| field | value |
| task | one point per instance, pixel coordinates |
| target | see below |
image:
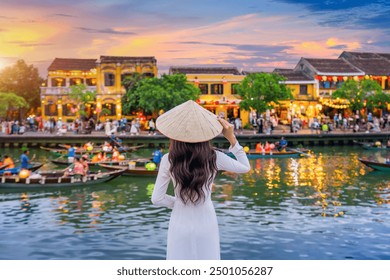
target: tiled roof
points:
(385, 55)
(360, 55)
(127, 59)
(204, 70)
(377, 64)
(253, 72)
(332, 65)
(292, 75)
(72, 64)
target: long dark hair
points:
(193, 165)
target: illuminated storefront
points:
(103, 76)
(217, 89)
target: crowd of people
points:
(261, 124)
(324, 124)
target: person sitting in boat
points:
(84, 162)
(387, 160)
(107, 147)
(101, 156)
(157, 155)
(8, 162)
(282, 144)
(76, 169)
(259, 147)
(115, 141)
(115, 154)
(95, 158)
(267, 147)
(24, 160)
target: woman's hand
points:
(228, 131)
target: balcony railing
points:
(61, 90)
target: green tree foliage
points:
(350, 91)
(130, 100)
(155, 94)
(260, 91)
(23, 80)
(130, 82)
(366, 93)
(81, 96)
(11, 101)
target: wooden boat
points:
(57, 179)
(3, 167)
(11, 171)
(375, 165)
(253, 154)
(54, 150)
(135, 171)
(64, 162)
(122, 148)
(95, 150)
(368, 146)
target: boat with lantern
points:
(121, 161)
(133, 168)
(253, 154)
(94, 150)
(374, 146)
(56, 179)
(11, 171)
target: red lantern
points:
(340, 78)
(216, 102)
(330, 79)
(198, 101)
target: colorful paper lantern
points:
(24, 173)
(150, 166)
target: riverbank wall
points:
(247, 138)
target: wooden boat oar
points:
(298, 151)
(117, 143)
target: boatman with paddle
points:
(24, 160)
(282, 144)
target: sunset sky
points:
(251, 35)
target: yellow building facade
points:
(103, 76)
(305, 96)
(111, 71)
(217, 89)
(62, 74)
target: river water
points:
(324, 207)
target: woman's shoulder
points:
(165, 159)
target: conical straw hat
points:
(189, 122)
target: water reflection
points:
(329, 201)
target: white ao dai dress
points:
(193, 229)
